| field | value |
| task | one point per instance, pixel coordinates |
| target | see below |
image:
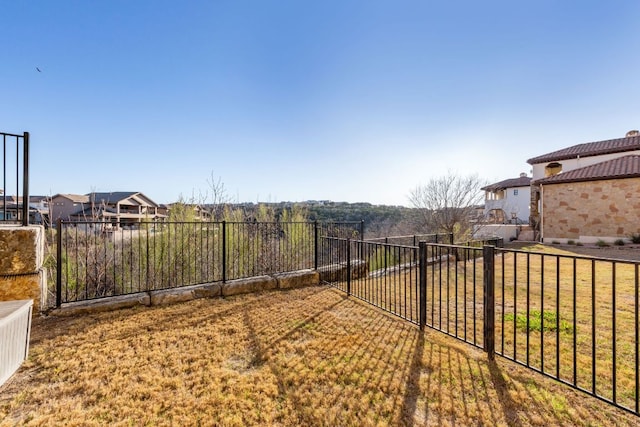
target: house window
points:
(552, 169)
(515, 192)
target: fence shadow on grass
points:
(330, 359)
(344, 363)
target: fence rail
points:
(14, 193)
(571, 318)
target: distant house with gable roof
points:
(587, 192)
(117, 208)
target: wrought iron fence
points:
(14, 193)
(97, 259)
(384, 275)
(571, 318)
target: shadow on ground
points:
(309, 356)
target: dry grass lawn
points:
(310, 356)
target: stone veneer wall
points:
(592, 210)
(21, 257)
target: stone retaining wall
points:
(291, 280)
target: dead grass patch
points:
(303, 357)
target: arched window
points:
(553, 168)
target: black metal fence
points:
(571, 318)
(97, 259)
(14, 193)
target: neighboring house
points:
(63, 206)
(118, 208)
(38, 209)
(508, 201)
(588, 192)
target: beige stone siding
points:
(584, 211)
(21, 256)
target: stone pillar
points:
(534, 212)
(21, 256)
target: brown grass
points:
(304, 357)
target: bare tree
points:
(219, 197)
(447, 203)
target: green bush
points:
(635, 238)
(570, 242)
(602, 244)
(619, 242)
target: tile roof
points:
(523, 181)
(630, 143)
(621, 167)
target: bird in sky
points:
(38, 69)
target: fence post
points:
(422, 298)
(386, 253)
(488, 253)
(59, 263)
(25, 180)
(451, 238)
(349, 267)
(224, 251)
(315, 245)
(360, 247)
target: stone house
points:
(587, 192)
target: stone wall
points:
(592, 210)
(21, 256)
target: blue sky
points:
(297, 100)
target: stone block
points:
(338, 272)
(249, 285)
(210, 290)
(24, 286)
(21, 249)
(297, 279)
(106, 304)
(187, 293)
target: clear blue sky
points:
(296, 100)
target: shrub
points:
(602, 244)
(635, 238)
(555, 242)
(570, 242)
(619, 242)
(578, 243)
